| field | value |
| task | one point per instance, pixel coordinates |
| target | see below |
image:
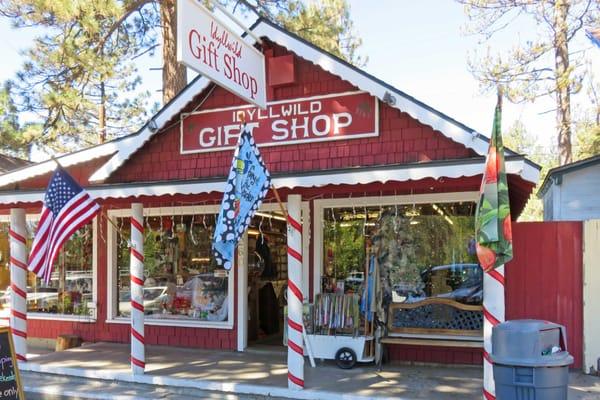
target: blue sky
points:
(416, 46)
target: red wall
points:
(543, 281)
(402, 139)
(159, 335)
(545, 278)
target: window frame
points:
(370, 201)
(94, 306)
(111, 270)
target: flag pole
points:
(242, 118)
(276, 193)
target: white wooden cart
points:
(345, 350)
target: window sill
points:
(61, 317)
(175, 323)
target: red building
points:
(360, 153)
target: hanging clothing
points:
(268, 309)
(262, 248)
(368, 302)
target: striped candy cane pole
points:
(138, 359)
(294, 295)
(493, 314)
(18, 282)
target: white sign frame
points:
(189, 12)
(375, 133)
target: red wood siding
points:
(159, 335)
(544, 284)
(545, 278)
(544, 281)
(439, 355)
(402, 139)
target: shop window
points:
(429, 277)
(181, 278)
(70, 290)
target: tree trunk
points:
(102, 115)
(174, 74)
(563, 82)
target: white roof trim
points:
(452, 130)
(350, 177)
(123, 149)
(165, 115)
(67, 160)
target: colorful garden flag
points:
(247, 185)
(492, 220)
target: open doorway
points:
(267, 279)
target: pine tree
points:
(77, 79)
(80, 73)
(325, 23)
(543, 66)
(15, 138)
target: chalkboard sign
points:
(10, 381)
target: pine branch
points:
(128, 11)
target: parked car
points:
(354, 280)
(38, 299)
(154, 298)
(464, 281)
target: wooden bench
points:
(476, 344)
(445, 321)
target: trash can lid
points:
(530, 343)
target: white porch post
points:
(18, 282)
(138, 359)
(493, 314)
(242, 289)
(294, 294)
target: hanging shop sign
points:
(313, 119)
(209, 47)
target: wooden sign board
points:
(339, 116)
(208, 46)
(11, 387)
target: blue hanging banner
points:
(247, 185)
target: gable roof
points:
(9, 163)
(449, 127)
(555, 174)
(123, 148)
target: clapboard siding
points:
(576, 198)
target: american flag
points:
(67, 207)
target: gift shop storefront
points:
(382, 178)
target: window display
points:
(71, 285)
(424, 255)
(181, 279)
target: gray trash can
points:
(531, 361)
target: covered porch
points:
(264, 373)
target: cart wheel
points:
(345, 358)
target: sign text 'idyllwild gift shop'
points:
(320, 118)
(209, 47)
